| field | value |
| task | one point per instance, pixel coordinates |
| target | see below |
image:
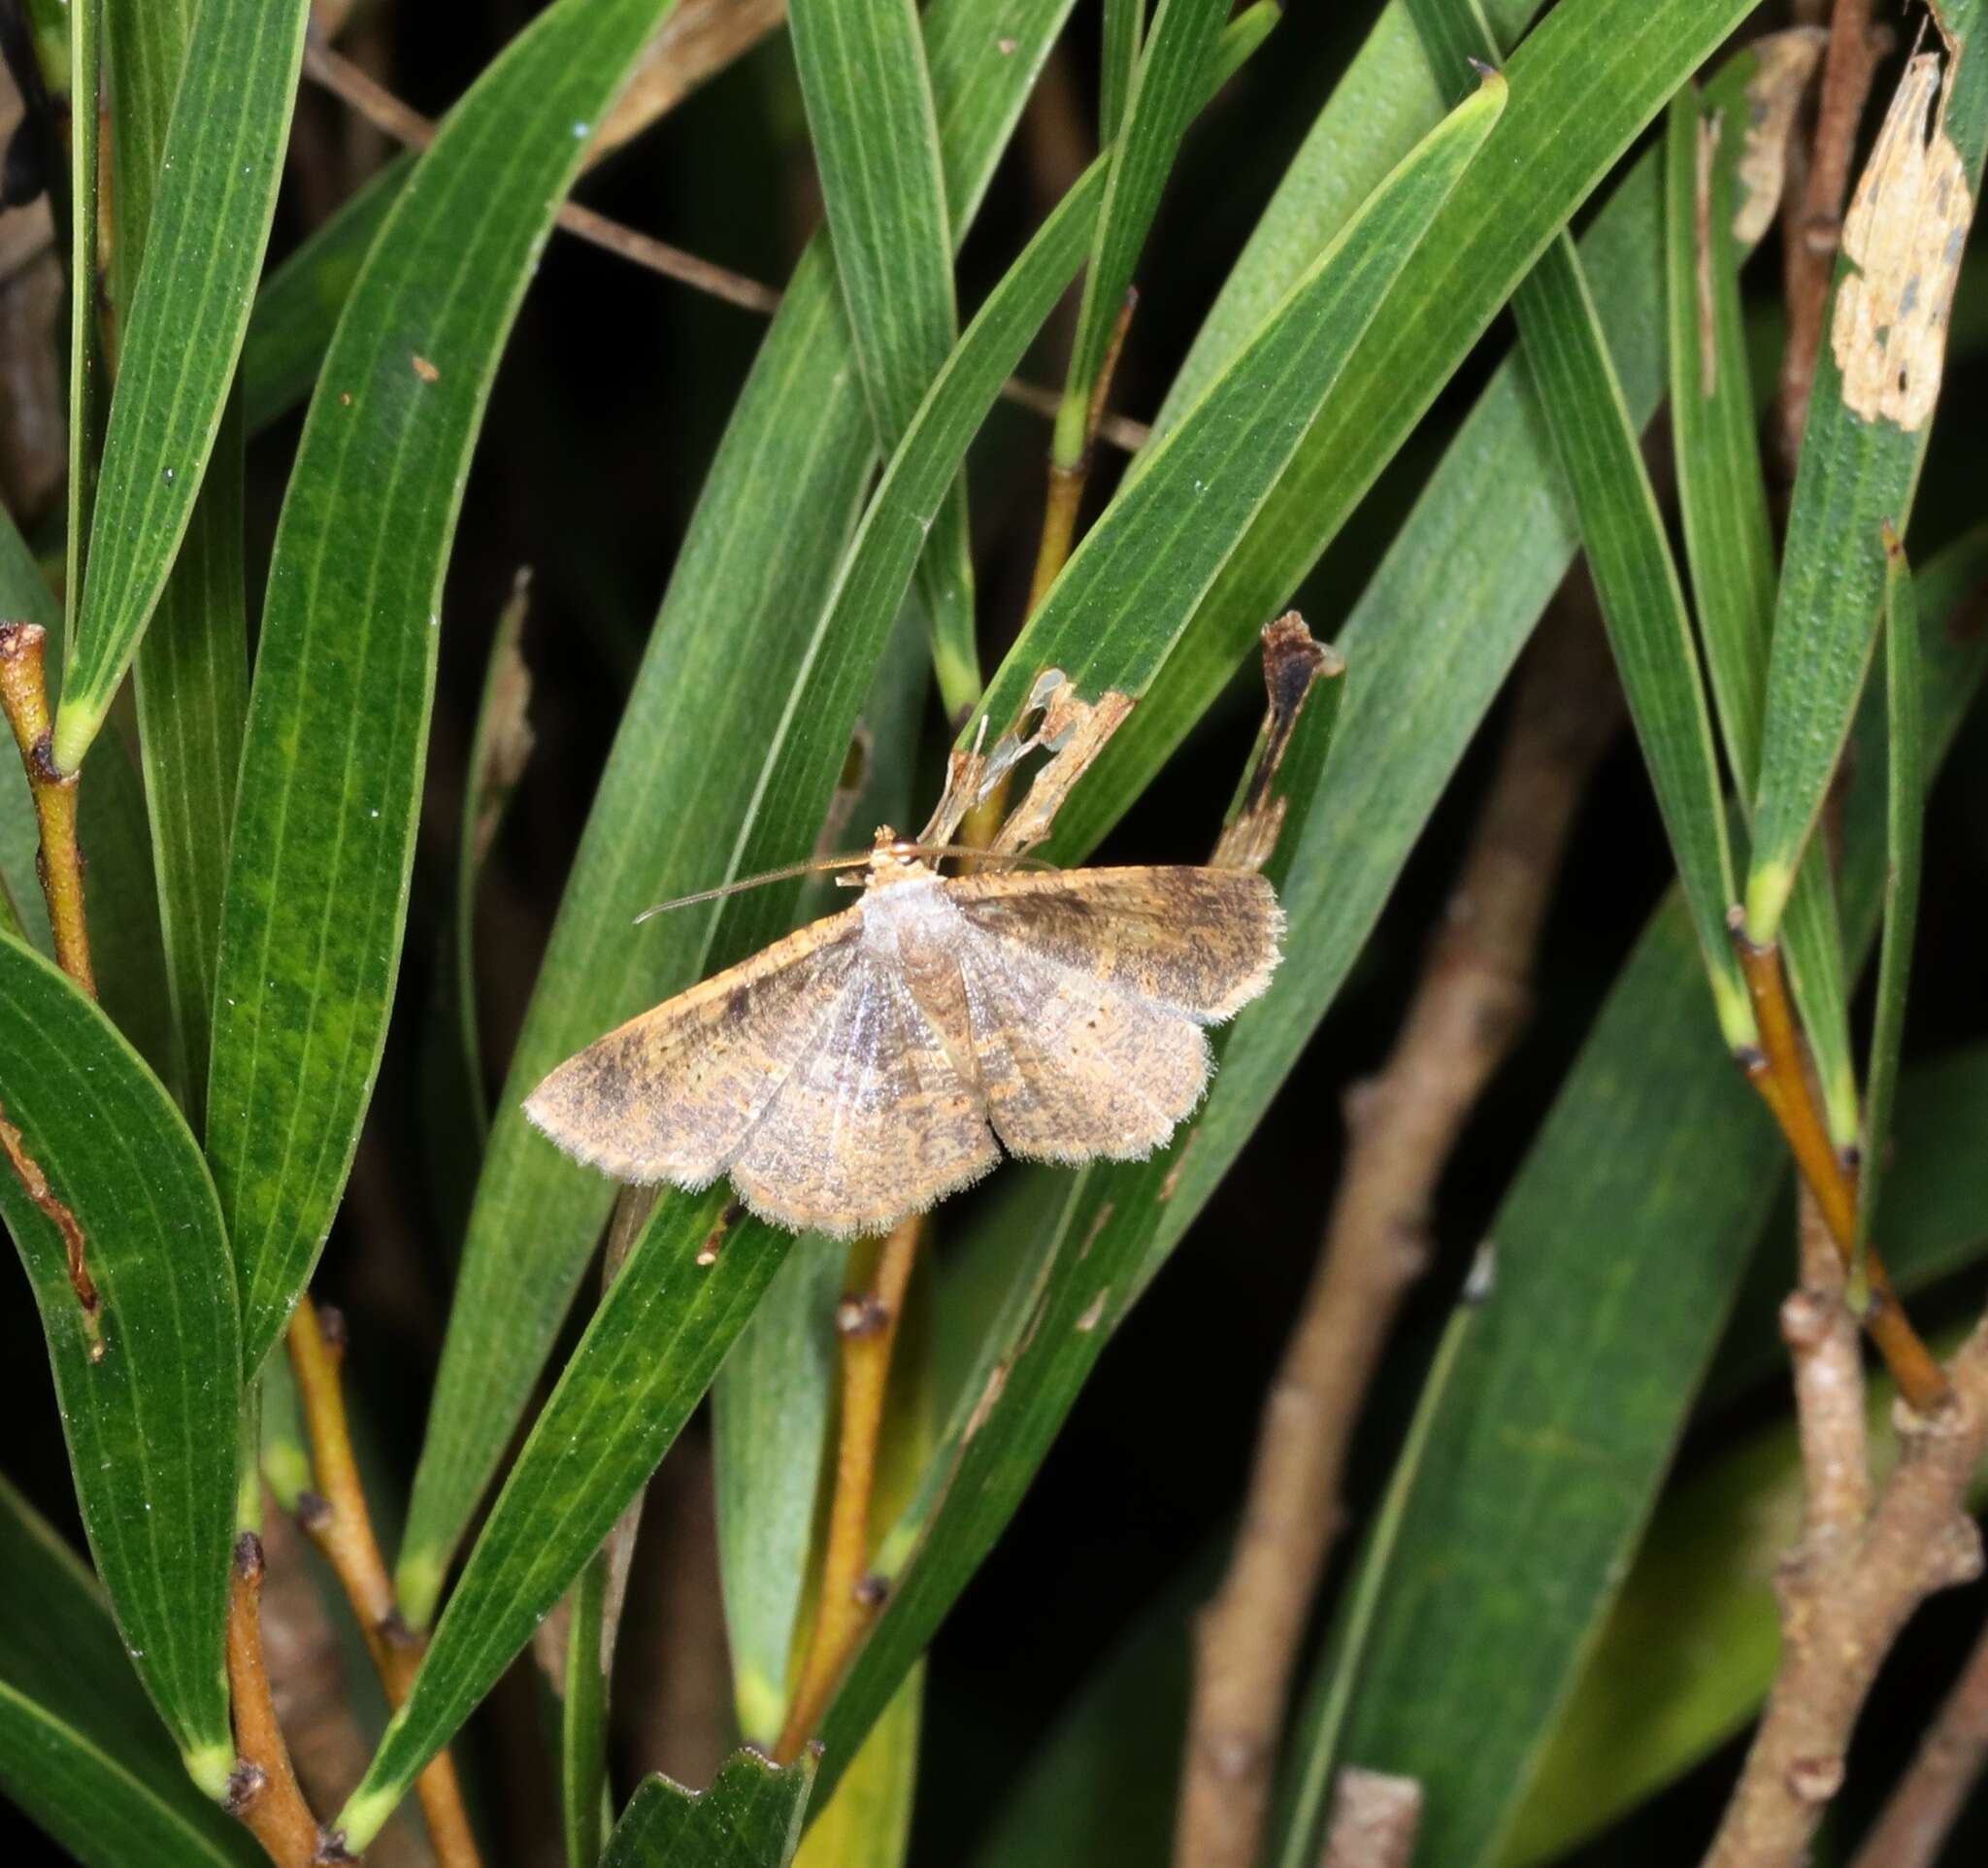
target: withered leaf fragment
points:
(1903, 235)
(861, 1069)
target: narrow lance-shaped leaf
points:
(1133, 584)
(191, 670)
(323, 838)
(1622, 532)
(85, 337)
(1905, 844)
(117, 1226)
(60, 1648)
(1163, 96)
(1722, 494)
(1870, 412)
(876, 135)
(209, 226)
(297, 309)
(1124, 24)
(24, 597)
(90, 1801)
(643, 1363)
(1386, 99)
(770, 530)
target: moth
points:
(880, 1058)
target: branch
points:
(336, 1521)
(1929, 1796)
(1778, 1070)
(1400, 1128)
(24, 694)
(1846, 1591)
(866, 1324)
(1813, 222)
(364, 93)
(263, 1790)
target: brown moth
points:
(862, 1068)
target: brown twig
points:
(1067, 479)
(263, 1790)
(1401, 1126)
(1779, 1072)
(1922, 1808)
(1846, 1591)
(24, 694)
(361, 92)
(310, 1692)
(866, 1322)
(1374, 1820)
(336, 1519)
(1813, 218)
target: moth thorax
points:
(907, 916)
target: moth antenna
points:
(812, 867)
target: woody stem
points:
(24, 694)
(337, 1520)
(1775, 1071)
(866, 1325)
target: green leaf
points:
(297, 309)
(1858, 474)
(323, 839)
(191, 671)
(1123, 26)
(1582, 87)
(1905, 823)
(85, 336)
(1542, 1469)
(649, 1352)
(1385, 102)
(89, 1800)
(875, 136)
(60, 1650)
(751, 1818)
(151, 1423)
(1134, 583)
(1721, 483)
(1167, 87)
(123, 907)
(1622, 534)
(209, 225)
(770, 530)
(1722, 494)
